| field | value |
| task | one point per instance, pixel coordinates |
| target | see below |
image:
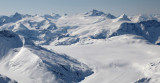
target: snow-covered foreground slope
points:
(4, 79)
(120, 59)
(26, 63)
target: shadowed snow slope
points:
(27, 63)
(4, 79)
(140, 18)
(13, 18)
(7, 42)
(123, 17)
(150, 30)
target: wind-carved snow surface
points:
(27, 63)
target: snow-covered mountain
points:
(27, 63)
(141, 17)
(101, 40)
(123, 17)
(95, 13)
(52, 16)
(150, 30)
(13, 18)
(99, 13)
(67, 30)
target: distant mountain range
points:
(76, 29)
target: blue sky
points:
(116, 7)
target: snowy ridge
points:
(66, 30)
(123, 17)
(100, 13)
(139, 18)
(147, 29)
(52, 16)
(13, 18)
(29, 64)
(34, 28)
(6, 38)
(95, 13)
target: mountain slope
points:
(147, 29)
(8, 38)
(123, 17)
(27, 63)
(36, 29)
(4, 79)
(9, 19)
(70, 29)
(141, 17)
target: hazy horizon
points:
(115, 7)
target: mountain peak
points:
(53, 16)
(110, 16)
(95, 13)
(124, 17)
(17, 14)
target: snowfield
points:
(93, 47)
(121, 59)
